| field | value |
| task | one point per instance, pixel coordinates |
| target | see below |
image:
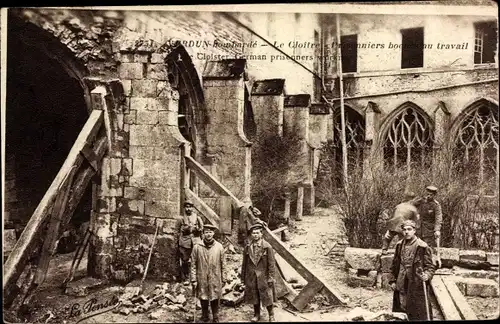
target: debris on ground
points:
(233, 291)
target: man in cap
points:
(431, 217)
(188, 230)
(404, 211)
(411, 271)
(258, 273)
(208, 273)
(249, 215)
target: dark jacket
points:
(431, 219)
(422, 263)
(257, 274)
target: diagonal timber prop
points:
(29, 241)
(315, 283)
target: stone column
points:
(318, 131)
(227, 145)
(267, 103)
(441, 128)
(296, 123)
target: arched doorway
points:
(45, 111)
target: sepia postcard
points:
(250, 163)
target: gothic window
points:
(355, 139)
(408, 140)
(476, 146)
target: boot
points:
(185, 273)
(214, 304)
(256, 312)
(270, 311)
(204, 311)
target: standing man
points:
(431, 216)
(188, 230)
(404, 211)
(258, 271)
(412, 269)
(208, 273)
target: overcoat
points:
(256, 275)
(422, 263)
(208, 270)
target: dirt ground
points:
(311, 239)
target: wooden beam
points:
(444, 299)
(305, 295)
(458, 299)
(26, 242)
(202, 207)
(299, 266)
(211, 181)
(279, 230)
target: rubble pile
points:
(359, 314)
(171, 297)
(233, 291)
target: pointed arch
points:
(474, 144)
(192, 115)
(407, 138)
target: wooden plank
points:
(288, 271)
(211, 181)
(225, 215)
(202, 207)
(279, 230)
(18, 257)
(305, 295)
(444, 299)
(300, 267)
(458, 298)
(49, 244)
(283, 289)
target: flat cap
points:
(210, 227)
(255, 226)
(409, 222)
(432, 189)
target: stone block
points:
(157, 71)
(157, 58)
(130, 71)
(480, 287)
(449, 257)
(83, 287)
(141, 58)
(364, 259)
(386, 262)
(355, 279)
(144, 88)
(163, 89)
(146, 117)
(127, 167)
(384, 280)
(130, 206)
(474, 255)
(131, 117)
(492, 258)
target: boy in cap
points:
(403, 211)
(411, 271)
(208, 272)
(188, 230)
(257, 273)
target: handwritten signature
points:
(92, 305)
